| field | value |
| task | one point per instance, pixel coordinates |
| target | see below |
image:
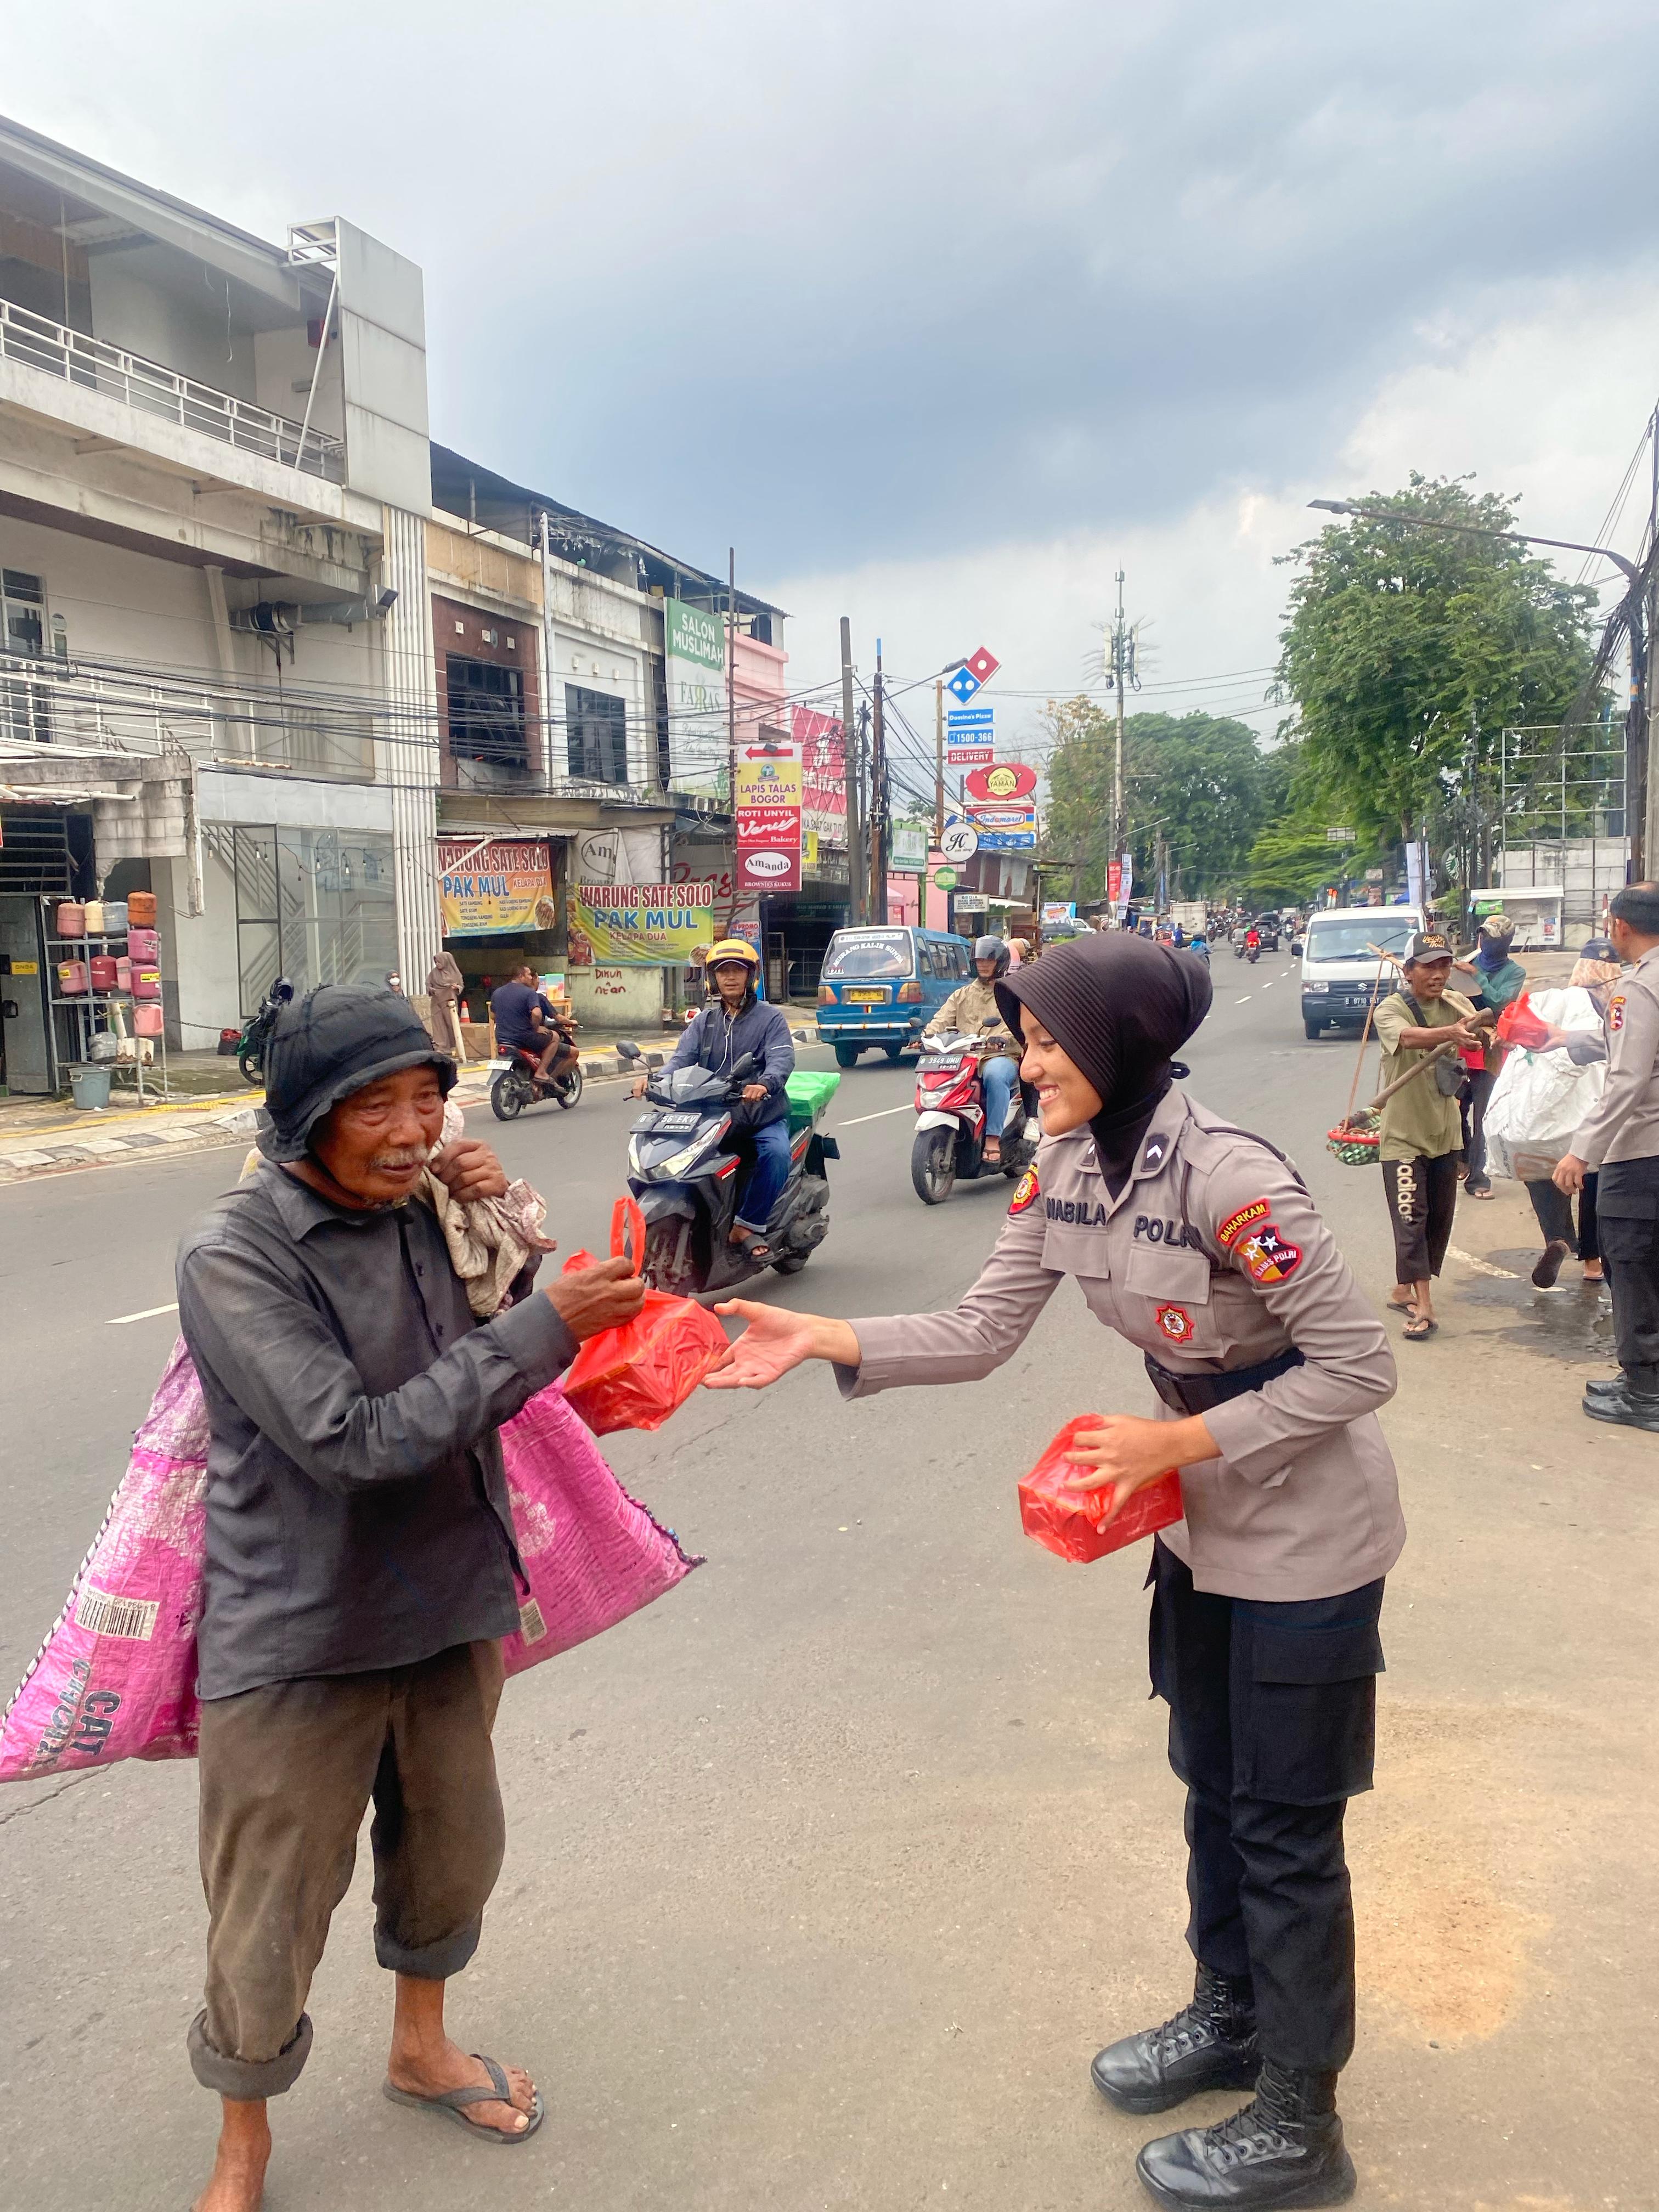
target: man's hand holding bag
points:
(643, 1352)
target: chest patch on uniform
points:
(1176, 1322)
(1027, 1191)
(1266, 1256)
(1616, 1012)
(1236, 1224)
(1153, 1230)
(1081, 1212)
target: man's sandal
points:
(451, 2104)
(1420, 1328)
(1401, 1305)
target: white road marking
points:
(118, 1321)
(1245, 1000)
(1269, 984)
(909, 1108)
(1481, 1266)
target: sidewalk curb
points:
(145, 1138)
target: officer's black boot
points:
(1285, 2149)
(1627, 1407)
(1209, 2044)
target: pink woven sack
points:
(592, 1554)
(116, 1677)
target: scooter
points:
(686, 1178)
(951, 1132)
(513, 1084)
(1253, 953)
(256, 1033)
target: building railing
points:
(74, 358)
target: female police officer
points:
(1198, 1243)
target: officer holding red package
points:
(1198, 1243)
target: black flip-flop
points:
(1401, 1305)
(1418, 1329)
(451, 2104)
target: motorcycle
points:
(514, 1087)
(256, 1031)
(1253, 953)
(685, 1178)
(951, 1132)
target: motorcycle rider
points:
(738, 1020)
(970, 1010)
(525, 1020)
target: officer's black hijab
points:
(1119, 1007)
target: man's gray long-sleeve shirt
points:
(357, 1512)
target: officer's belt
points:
(1196, 1394)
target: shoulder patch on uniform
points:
(1234, 1226)
(1616, 1011)
(1027, 1191)
(1268, 1257)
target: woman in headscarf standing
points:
(1198, 1243)
(444, 986)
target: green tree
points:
(1200, 779)
(1409, 651)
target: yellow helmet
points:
(732, 948)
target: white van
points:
(1338, 974)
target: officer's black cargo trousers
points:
(1272, 1712)
(1627, 1222)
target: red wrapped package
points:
(635, 1377)
(1067, 1521)
(1518, 1025)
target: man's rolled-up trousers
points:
(287, 1771)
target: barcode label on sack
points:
(532, 1626)
(104, 1614)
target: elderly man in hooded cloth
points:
(444, 985)
(360, 1565)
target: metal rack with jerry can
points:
(105, 996)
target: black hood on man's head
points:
(329, 1043)
(1119, 1006)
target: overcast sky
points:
(942, 313)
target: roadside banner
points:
(501, 889)
(970, 737)
(1004, 828)
(821, 745)
(768, 817)
(693, 667)
(638, 925)
(907, 847)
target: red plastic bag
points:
(635, 1375)
(1068, 1522)
(1518, 1025)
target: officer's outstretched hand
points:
(775, 1341)
(1128, 1454)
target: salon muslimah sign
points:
(694, 668)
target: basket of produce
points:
(1354, 1140)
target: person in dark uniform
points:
(1621, 1139)
(1198, 1243)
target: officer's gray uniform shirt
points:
(1626, 1123)
(357, 1513)
(1212, 1257)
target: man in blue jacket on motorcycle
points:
(737, 1021)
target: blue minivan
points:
(883, 984)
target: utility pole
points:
(878, 799)
(853, 765)
(939, 760)
(1121, 675)
(732, 685)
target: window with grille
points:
(596, 725)
(486, 713)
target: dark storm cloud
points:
(902, 278)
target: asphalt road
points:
(827, 1874)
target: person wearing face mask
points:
(1497, 978)
(1198, 1243)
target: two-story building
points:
(582, 682)
(216, 645)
